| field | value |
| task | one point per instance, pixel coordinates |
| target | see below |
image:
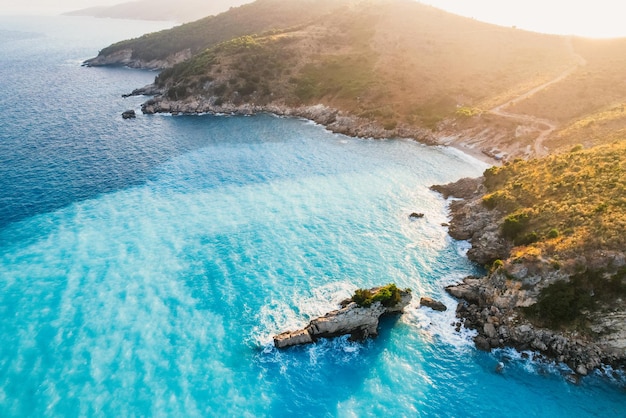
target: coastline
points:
(483, 306)
(334, 120)
(494, 304)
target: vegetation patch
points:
(343, 77)
(566, 204)
(388, 295)
(565, 302)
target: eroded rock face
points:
(491, 305)
(494, 304)
(125, 58)
(334, 120)
(357, 321)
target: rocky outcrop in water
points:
(435, 305)
(359, 322)
(129, 114)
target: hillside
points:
(165, 48)
(398, 66)
(180, 11)
(552, 233)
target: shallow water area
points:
(145, 264)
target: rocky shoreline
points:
(492, 305)
(332, 119)
(125, 58)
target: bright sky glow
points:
(591, 18)
(46, 7)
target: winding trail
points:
(545, 126)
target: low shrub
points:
(553, 233)
(388, 295)
(514, 224)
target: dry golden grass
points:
(590, 94)
(567, 204)
(605, 126)
(401, 62)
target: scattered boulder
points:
(435, 305)
(416, 215)
(129, 114)
(482, 343)
(469, 290)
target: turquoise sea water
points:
(145, 264)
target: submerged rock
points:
(416, 215)
(358, 321)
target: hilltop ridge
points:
(397, 64)
(165, 10)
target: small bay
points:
(145, 264)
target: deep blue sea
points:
(145, 264)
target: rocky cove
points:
(494, 304)
(491, 304)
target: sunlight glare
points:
(597, 19)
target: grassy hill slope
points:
(560, 235)
(564, 206)
(196, 36)
(397, 62)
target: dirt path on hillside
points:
(519, 135)
(545, 126)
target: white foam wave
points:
(439, 327)
(280, 316)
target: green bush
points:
(495, 265)
(527, 239)
(500, 199)
(560, 303)
(362, 297)
(514, 224)
(563, 302)
(467, 112)
(553, 233)
(388, 295)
